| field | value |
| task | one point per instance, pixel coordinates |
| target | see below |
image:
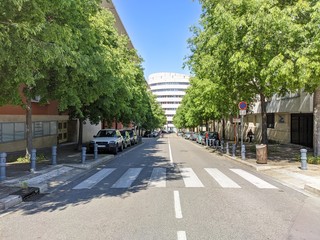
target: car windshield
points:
(106, 133)
(123, 133)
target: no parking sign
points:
(242, 105)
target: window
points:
(7, 132)
(270, 120)
(10, 132)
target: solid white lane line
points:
(158, 177)
(181, 235)
(170, 154)
(222, 179)
(177, 205)
(127, 178)
(190, 178)
(253, 179)
(94, 179)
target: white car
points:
(107, 139)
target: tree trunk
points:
(264, 132)
(223, 129)
(80, 134)
(316, 122)
(28, 127)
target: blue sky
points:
(159, 30)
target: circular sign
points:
(242, 105)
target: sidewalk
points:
(20, 184)
(283, 165)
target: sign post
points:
(243, 107)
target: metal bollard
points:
(233, 150)
(243, 152)
(54, 155)
(3, 159)
(83, 155)
(33, 160)
(221, 146)
(303, 159)
(95, 151)
(227, 148)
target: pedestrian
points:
(250, 135)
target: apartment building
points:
(169, 89)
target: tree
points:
(239, 47)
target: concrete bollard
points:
(243, 152)
(54, 155)
(3, 160)
(83, 155)
(227, 148)
(95, 151)
(234, 150)
(303, 159)
(33, 160)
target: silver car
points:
(109, 140)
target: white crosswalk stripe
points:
(253, 179)
(190, 178)
(127, 178)
(94, 179)
(221, 178)
(158, 177)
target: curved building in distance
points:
(169, 88)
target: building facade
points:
(289, 120)
(169, 89)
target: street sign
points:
(242, 112)
(236, 120)
(242, 105)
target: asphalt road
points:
(167, 188)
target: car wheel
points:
(121, 148)
(115, 150)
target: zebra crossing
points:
(159, 178)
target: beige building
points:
(289, 120)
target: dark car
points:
(147, 133)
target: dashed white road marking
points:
(181, 235)
(177, 205)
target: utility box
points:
(261, 153)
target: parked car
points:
(107, 139)
(126, 138)
(147, 133)
(187, 135)
(201, 135)
(155, 134)
(133, 136)
(194, 137)
(214, 136)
